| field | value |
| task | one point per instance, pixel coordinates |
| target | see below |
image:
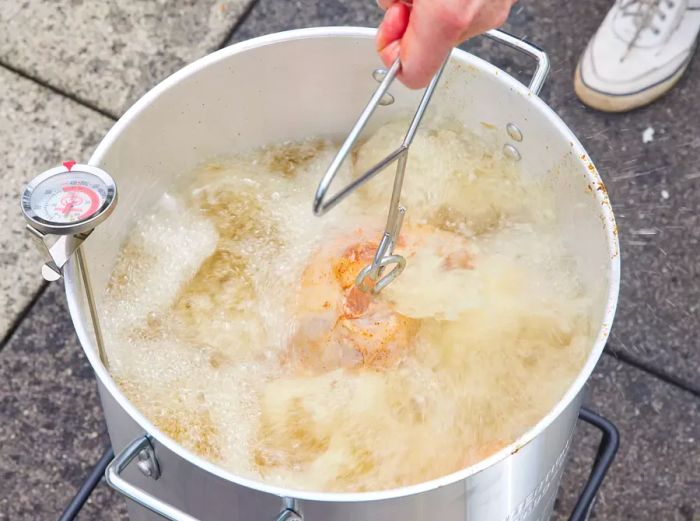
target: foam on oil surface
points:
(213, 289)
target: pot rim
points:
(75, 298)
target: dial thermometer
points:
(62, 207)
(69, 199)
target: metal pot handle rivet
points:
(142, 450)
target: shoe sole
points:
(615, 103)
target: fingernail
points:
(391, 51)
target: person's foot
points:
(639, 52)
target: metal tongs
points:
(372, 278)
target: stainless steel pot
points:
(314, 82)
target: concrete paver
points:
(110, 53)
(39, 129)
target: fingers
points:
(423, 32)
(391, 31)
(430, 36)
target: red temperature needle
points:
(67, 208)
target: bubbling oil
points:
(233, 324)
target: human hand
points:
(423, 32)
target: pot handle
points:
(142, 449)
(531, 50)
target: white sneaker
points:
(639, 52)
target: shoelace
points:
(647, 14)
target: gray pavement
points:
(39, 129)
(108, 54)
(51, 427)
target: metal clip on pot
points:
(384, 256)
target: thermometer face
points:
(67, 198)
(64, 202)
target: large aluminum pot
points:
(315, 82)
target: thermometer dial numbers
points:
(65, 202)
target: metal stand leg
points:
(604, 458)
(76, 504)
